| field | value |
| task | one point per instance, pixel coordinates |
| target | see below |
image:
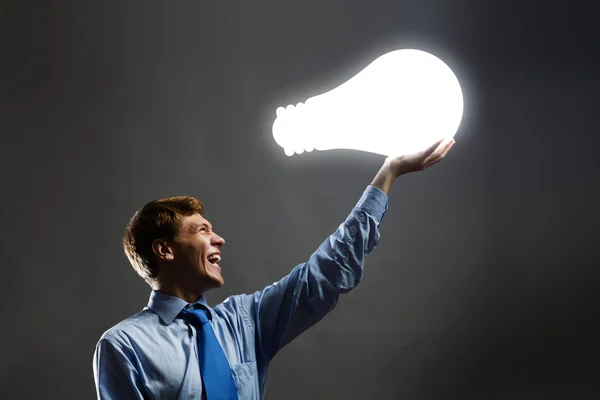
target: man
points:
(178, 347)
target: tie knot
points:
(197, 316)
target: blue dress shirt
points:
(153, 354)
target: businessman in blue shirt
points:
(163, 353)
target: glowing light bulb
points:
(399, 104)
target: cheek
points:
(193, 254)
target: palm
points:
(421, 160)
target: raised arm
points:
(285, 309)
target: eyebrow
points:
(196, 225)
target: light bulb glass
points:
(399, 104)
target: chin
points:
(221, 281)
(214, 276)
(214, 282)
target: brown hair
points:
(159, 219)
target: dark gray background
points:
(485, 282)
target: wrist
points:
(384, 178)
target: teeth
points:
(215, 258)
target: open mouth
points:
(214, 259)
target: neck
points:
(189, 295)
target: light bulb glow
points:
(399, 104)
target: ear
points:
(162, 250)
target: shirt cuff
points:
(374, 201)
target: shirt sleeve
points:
(288, 307)
(115, 375)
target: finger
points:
(447, 149)
(431, 148)
(431, 163)
(439, 152)
(433, 160)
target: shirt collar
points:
(168, 307)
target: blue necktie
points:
(214, 367)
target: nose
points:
(217, 240)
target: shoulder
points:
(231, 305)
(245, 307)
(234, 308)
(131, 328)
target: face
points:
(196, 252)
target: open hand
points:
(421, 160)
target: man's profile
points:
(178, 347)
